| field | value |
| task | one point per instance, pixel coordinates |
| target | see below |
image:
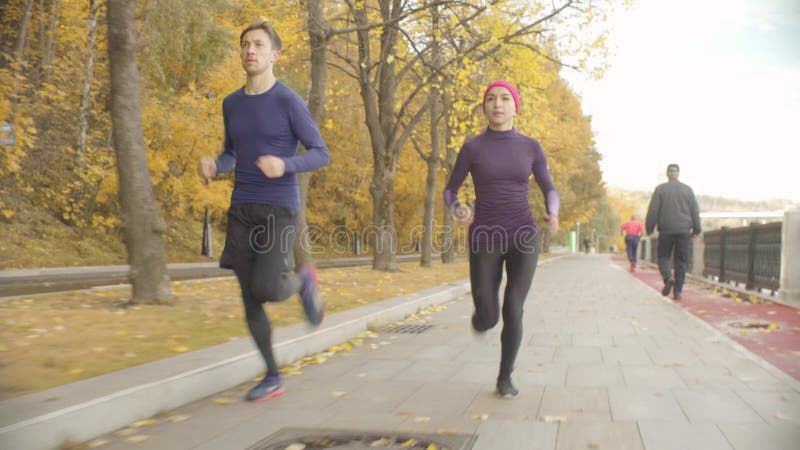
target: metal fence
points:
(653, 241)
(749, 255)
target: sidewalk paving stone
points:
(715, 405)
(606, 363)
(676, 434)
(640, 403)
(578, 355)
(575, 403)
(441, 399)
(594, 375)
(709, 377)
(774, 407)
(626, 356)
(524, 407)
(753, 436)
(594, 435)
(545, 374)
(515, 434)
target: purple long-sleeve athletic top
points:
(270, 123)
(501, 163)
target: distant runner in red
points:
(633, 231)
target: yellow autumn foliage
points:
(189, 62)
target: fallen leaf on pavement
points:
(138, 438)
(551, 419)
(782, 416)
(143, 423)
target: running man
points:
(264, 120)
(503, 230)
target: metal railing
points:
(749, 255)
(653, 241)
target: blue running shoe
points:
(310, 295)
(268, 388)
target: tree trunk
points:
(448, 235)
(318, 42)
(49, 48)
(382, 189)
(83, 123)
(430, 182)
(433, 158)
(378, 95)
(42, 33)
(141, 224)
(22, 36)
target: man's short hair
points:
(263, 25)
(674, 167)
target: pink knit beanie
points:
(506, 85)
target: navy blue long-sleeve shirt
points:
(501, 163)
(270, 123)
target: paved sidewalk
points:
(606, 363)
(758, 322)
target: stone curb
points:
(80, 411)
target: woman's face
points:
(499, 108)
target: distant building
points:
(732, 219)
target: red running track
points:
(724, 309)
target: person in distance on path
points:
(264, 120)
(674, 210)
(632, 230)
(502, 230)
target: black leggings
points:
(258, 247)
(485, 273)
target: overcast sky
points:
(713, 85)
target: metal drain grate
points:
(406, 329)
(751, 325)
(313, 439)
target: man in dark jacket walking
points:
(674, 210)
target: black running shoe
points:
(474, 321)
(667, 287)
(505, 389)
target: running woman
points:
(264, 120)
(502, 230)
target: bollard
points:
(698, 256)
(789, 292)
